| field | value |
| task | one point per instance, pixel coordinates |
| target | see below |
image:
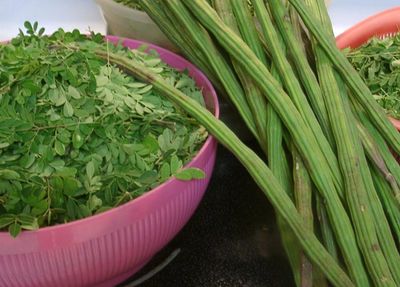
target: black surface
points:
(231, 240)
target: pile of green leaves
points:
(378, 63)
(78, 136)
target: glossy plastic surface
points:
(384, 24)
(105, 249)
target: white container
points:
(134, 24)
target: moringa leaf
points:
(59, 147)
(190, 174)
(14, 229)
(90, 169)
(68, 110)
(73, 92)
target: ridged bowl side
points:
(97, 260)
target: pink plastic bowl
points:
(106, 249)
(384, 24)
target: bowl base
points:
(121, 277)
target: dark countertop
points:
(231, 240)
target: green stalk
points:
(290, 31)
(359, 188)
(275, 153)
(383, 230)
(276, 157)
(384, 234)
(277, 162)
(303, 198)
(311, 85)
(301, 267)
(256, 101)
(349, 75)
(390, 162)
(293, 87)
(301, 134)
(373, 151)
(291, 34)
(261, 174)
(386, 193)
(354, 188)
(392, 210)
(247, 28)
(328, 236)
(219, 65)
(160, 16)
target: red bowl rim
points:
(381, 23)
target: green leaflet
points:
(190, 173)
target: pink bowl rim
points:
(210, 141)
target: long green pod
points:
(328, 237)
(270, 87)
(355, 189)
(276, 155)
(302, 195)
(301, 134)
(293, 87)
(350, 75)
(390, 162)
(383, 230)
(255, 99)
(159, 15)
(392, 209)
(247, 28)
(373, 152)
(388, 195)
(277, 160)
(373, 143)
(223, 71)
(302, 186)
(290, 33)
(301, 267)
(249, 34)
(241, 24)
(261, 174)
(359, 188)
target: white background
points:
(51, 14)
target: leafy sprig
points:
(378, 63)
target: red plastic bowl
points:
(382, 25)
(105, 249)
